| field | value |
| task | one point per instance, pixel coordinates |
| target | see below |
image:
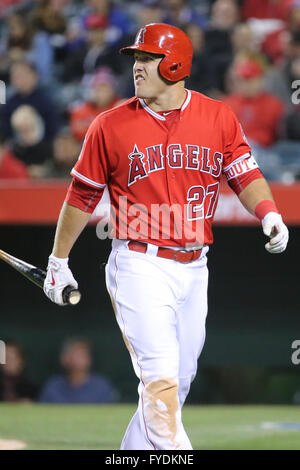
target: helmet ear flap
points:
(170, 70)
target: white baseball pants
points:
(161, 308)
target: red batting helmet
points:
(169, 41)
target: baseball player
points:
(161, 154)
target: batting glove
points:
(274, 228)
(58, 277)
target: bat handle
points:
(71, 296)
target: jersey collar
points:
(159, 116)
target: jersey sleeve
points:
(92, 166)
(238, 159)
(236, 146)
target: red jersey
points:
(149, 165)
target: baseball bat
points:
(37, 276)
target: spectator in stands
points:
(77, 384)
(201, 78)
(24, 79)
(150, 11)
(259, 112)
(180, 13)
(29, 142)
(118, 22)
(93, 54)
(276, 43)
(244, 45)
(8, 6)
(271, 21)
(14, 386)
(21, 43)
(65, 154)
(279, 80)
(289, 149)
(60, 20)
(19, 34)
(224, 17)
(293, 124)
(101, 95)
(294, 17)
(268, 9)
(243, 40)
(10, 166)
(48, 16)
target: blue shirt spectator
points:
(77, 385)
(96, 389)
(24, 79)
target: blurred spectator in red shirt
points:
(101, 96)
(267, 18)
(266, 9)
(10, 166)
(259, 112)
(276, 44)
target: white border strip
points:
(150, 111)
(187, 100)
(87, 180)
(243, 157)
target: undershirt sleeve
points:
(83, 196)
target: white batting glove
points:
(274, 228)
(58, 277)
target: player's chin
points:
(141, 91)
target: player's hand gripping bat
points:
(37, 276)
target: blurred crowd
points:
(60, 63)
(74, 384)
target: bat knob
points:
(71, 296)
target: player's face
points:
(147, 81)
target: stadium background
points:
(253, 296)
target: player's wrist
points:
(265, 207)
(58, 262)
